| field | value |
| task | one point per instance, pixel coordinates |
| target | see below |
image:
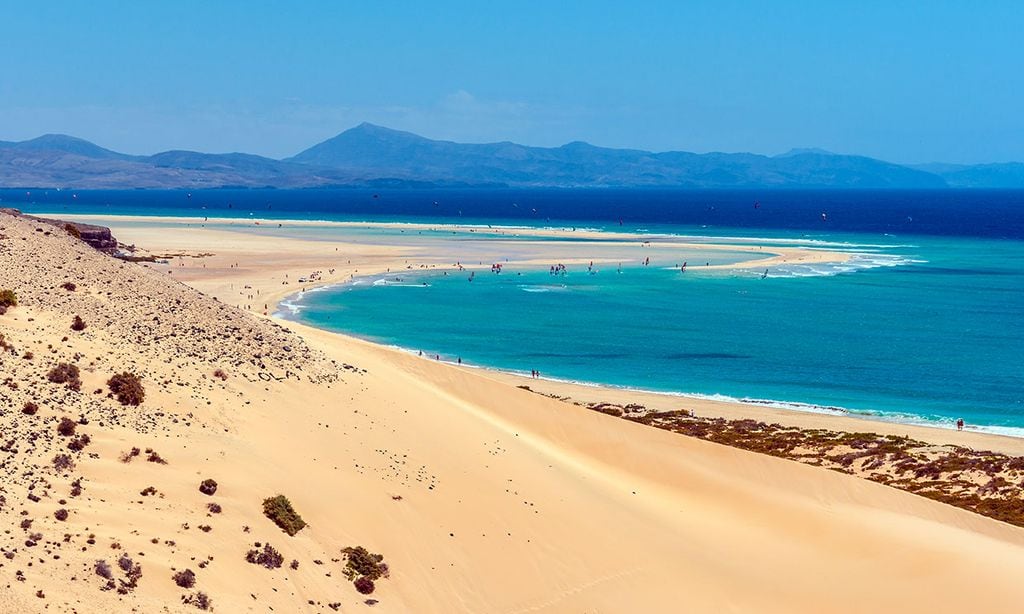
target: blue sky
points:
(904, 81)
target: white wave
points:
(560, 288)
(857, 262)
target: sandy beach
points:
(481, 496)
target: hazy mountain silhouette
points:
(374, 155)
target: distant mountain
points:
(370, 155)
(374, 149)
(66, 144)
(1005, 175)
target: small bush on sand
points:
(361, 562)
(65, 373)
(61, 514)
(280, 510)
(268, 557)
(63, 462)
(67, 426)
(185, 579)
(220, 374)
(29, 408)
(200, 600)
(78, 443)
(78, 324)
(364, 585)
(208, 486)
(69, 286)
(104, 570)
(8, 298)
(127, 388)
(214, 508)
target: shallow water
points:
(923, 324)
(928, 331)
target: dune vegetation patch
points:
(279, 509)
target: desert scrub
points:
(280, 510)
(8, 298)
(185, 579)
(208, 486)
(127, 388)
(268, 557)
(78, 324)
(65, 373)
(364, 585)
(67, 427)
(361, 563)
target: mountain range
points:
(370, 155)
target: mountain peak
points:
(802, 151)
(68, 144)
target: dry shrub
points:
(8, 298)
(364, 585)
(78, 324)
(268, 557)
(127, 388)
(29, 408)
(65, 373)
(67, 426)
(185, 579)
(69, 286)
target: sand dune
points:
(482, 497)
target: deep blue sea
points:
(926, 324)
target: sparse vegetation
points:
(78, 324)
(267, 557)
(67, 426)
(127, 456)
(63, 462)
(69, 286)
(127, 387)
(8, 298)
(220, 374)
(65, 373)
(185, 578)
(214, 508)
(61, 514)
(280, 510)
(29, 408)
(200, 600)
(78, 443)
(364, 585)
(361, 563)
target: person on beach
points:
(960, 424)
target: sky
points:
(907, 82)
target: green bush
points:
(362, 563)
(280, 510)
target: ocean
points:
(925, 325)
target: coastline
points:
(463, 482)
(242, 246)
